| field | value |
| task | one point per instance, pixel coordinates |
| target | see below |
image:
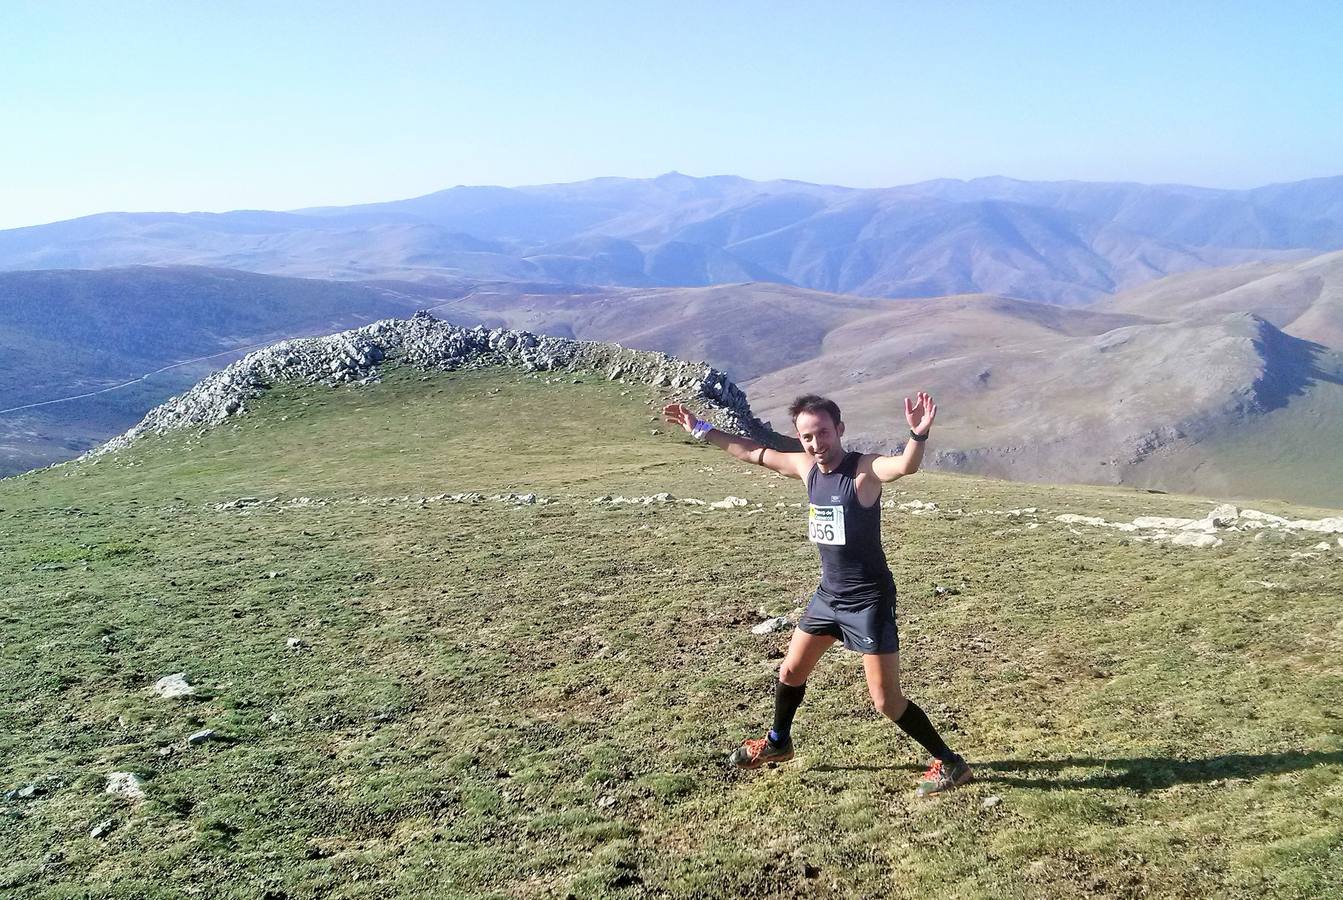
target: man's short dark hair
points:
(814, 404)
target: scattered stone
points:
(1194, 539)
(729, 502)
(1254, 515)
(294, 643)
(125, 784)
(172, 686)
(26, 792)
(606, 802)
(200, 737)
(1072, 519)
(167, 750)
(991, 801)
(102, 829)
(1323, 545)
(769, 626)
(940, 591)
(1328, 526)
(919, 505)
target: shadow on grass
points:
(1144, 773)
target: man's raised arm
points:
(794, 465)
(920, 415)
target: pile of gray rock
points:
(1223, 520)
(354, 357)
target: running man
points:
(855, 602)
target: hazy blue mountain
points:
(1061, 242)
(1304, 214)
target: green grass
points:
(477, 677)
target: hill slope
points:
(1304, 299)
(492, 695)
(1028, 391)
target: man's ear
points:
(839, 429)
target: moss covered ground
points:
(502, 699)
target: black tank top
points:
(848, 535)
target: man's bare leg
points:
(948, 769)
(804, 652)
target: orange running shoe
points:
(753, 754)
(942, 777)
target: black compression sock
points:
(915, 724)
(787, 698)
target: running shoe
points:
(942, 776)
(753, 754)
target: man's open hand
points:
(920, 413)
(677, 414)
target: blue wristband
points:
(700, 430)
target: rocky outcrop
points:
(355, 357)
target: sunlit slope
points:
(505, 698)
(1304, 299)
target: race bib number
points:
(825, 524)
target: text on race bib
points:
(825, 524)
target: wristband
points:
(917, 437)
(701, 430)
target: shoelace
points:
(934, 772)
(756, 746)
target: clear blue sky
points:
(214, 106)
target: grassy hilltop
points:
(510, 699)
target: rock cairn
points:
(354, 357)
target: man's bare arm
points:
(794, 465)
(920, 415)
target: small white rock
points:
(991, 801)
(174, 685)
(769, 626)
(294, 643)
(101, 829)
(125, 784)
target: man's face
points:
(820, 436)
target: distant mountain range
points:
(1227, 382)
(1059, 242)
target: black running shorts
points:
(869, 628)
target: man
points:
(855, 602)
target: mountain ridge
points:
(1063, 242)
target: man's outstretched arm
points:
(794, 465)
(920, 416)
